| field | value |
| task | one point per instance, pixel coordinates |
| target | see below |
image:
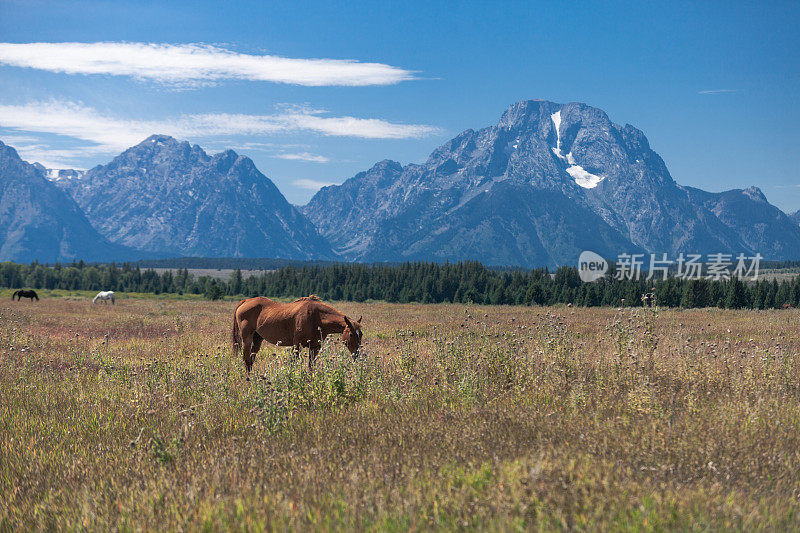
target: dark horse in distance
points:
(19, 295)
(303, 323)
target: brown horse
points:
(303, 323)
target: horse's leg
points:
(247, 352)
(256, 344)
(313, 350)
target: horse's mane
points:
(317, 303)
(312, 297)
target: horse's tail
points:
(236, 335)
(15, 295)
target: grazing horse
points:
(104, 297)
(303, 323)
(19, 295)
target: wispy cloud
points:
(47, 157)
(220, 145)
(109, 134)
(303, 156)
(36, 150)
(195, 64)
(719, 91)
(312, 185)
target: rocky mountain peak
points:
(227, 159)
(545, 181)
(158, 138)
(8, 153)
(39, 221)
(169, 195)
(526, 112)
(754, 193)
(387, 165)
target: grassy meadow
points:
(135, 417)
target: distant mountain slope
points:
(762, 226)
(38, 221)
(58, 174)
(545, 183)
(168, 195)
(795, 217)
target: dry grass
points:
(487, 417)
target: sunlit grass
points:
(136, 417)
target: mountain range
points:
(165, 195)
(545, 183)
(39, 221)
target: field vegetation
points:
(135, 416)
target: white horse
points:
(104, 297)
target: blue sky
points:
(713, 85)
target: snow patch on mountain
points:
(59, 174)
(585, 179)
(582, 177)
(556, 117)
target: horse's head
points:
(351, 337)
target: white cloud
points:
(719, 91)
(346, 126)
(15, 140)
(303, 156)
(195, 64)
(109, 134)
(312, 185)
(35, 150)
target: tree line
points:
(463, 282)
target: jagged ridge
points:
(39, 222)
(167, 195)
(546, 182)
